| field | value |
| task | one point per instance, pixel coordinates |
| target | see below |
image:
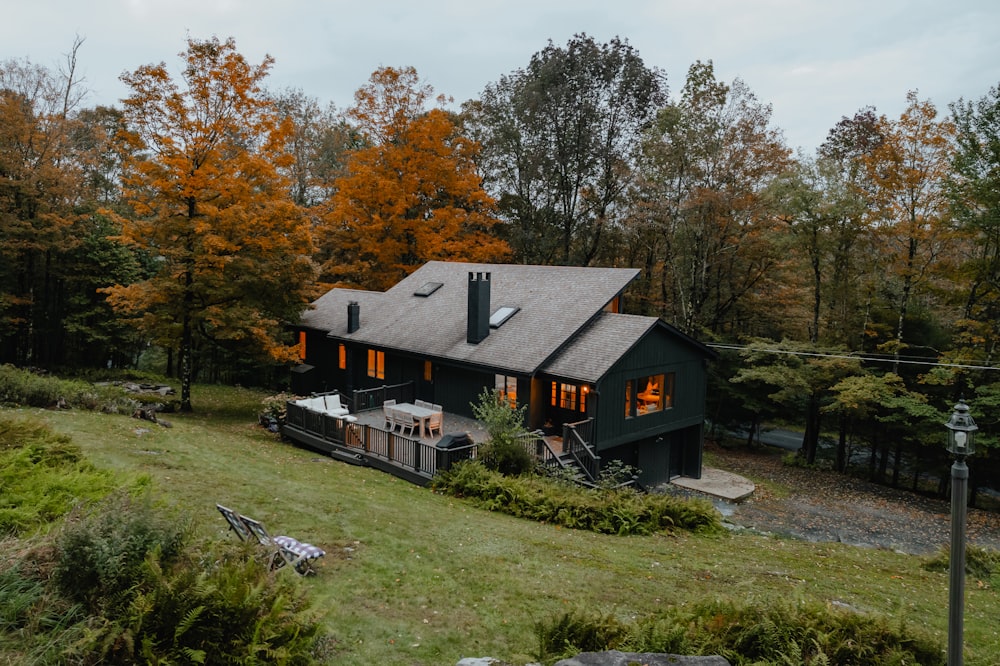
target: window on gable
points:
(649, 394)
(502, 314)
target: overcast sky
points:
(813, 61)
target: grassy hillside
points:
(412, 577)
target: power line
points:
(873, 359)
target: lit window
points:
(655, 393)
(376, 364)
(428, 371)
(302, 345)
(506, 388)
(342, 356)
(498, 318)
(567, 396)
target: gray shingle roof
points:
(605, 340)
(555, 303)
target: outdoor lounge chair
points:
(284, 549)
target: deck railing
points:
(416, 458)
(368, 399)
(576, 444)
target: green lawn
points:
(411, 577)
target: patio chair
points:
(386, 412)
(404, 421)
(435, 423)
(284, 549)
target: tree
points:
(40, 185)
(974, 194)
(707, 161)
(201, 175)
(797, 377)
(559, 140)
(410, 195)
(906, 176)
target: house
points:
(549, 337)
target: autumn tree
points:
(201, 173)
(411, 194)
(707, 161)
(40, 182)
(559, 141)
(906, 178)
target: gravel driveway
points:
(824, 506)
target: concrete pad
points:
(718, 483)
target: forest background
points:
(853, 293)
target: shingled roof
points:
(597, 347)
(554, 303)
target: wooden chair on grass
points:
(282, 549)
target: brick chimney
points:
(479, 307)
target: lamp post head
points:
(961, 431)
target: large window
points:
(376, 364)
(648, 395)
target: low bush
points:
(27, 388)
(503, 451)
(101, 554)
(746, 634)
(606, 511)
(980, 562)
(43, 476)
(124, 584)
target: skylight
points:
(498, 318)
(428, 289)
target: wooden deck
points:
(364, 441)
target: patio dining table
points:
(421, 414)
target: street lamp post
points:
(961, 443)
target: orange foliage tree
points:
(201, 173)
(410, 195)
(910, 211)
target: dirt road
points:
(824, 506)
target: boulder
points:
(616, 658)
